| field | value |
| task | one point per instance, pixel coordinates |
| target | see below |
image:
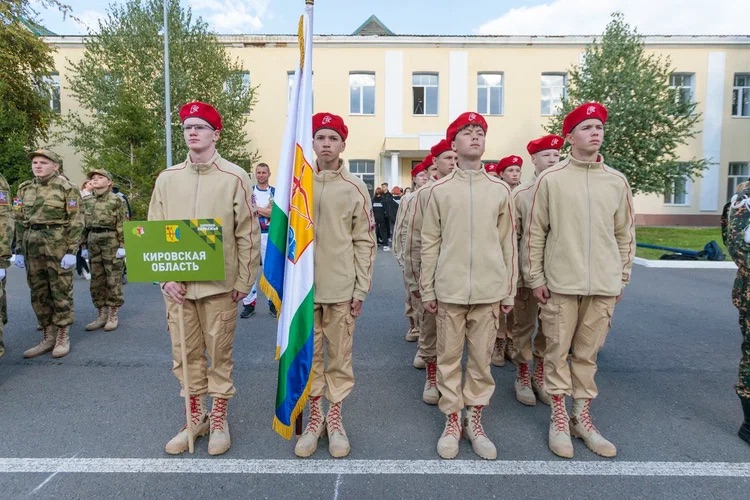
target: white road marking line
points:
(336, 488)
(372, 467)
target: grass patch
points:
(689, 238)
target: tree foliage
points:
(647, 119)
(119, 85)
(25, 65)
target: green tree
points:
(25, 65)
(119, 84)
(647, 120)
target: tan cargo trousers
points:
(427, 343)
(505, 328)
(526, 315)
(410, 309)
(210, 323)
(476, 326)
(581, 322)
(334, 329)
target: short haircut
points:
(263, 165)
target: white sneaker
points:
(385, 249)
(87, 275)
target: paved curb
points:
(684, 264)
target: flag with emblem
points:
(288, 263)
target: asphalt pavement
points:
(666, 377)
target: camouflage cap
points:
(51, 155)
(99, 171)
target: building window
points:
(290, 84)
(54, 92)
(741, 95)
(739, 172)
(424, 88)
(365, 170)
(683, 82)
(362, 93)
(490, 93)
(553, 91)
(677, 192)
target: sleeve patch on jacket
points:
(4, 198)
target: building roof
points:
(35, 28)
(373, 26)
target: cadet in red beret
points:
(345, 251)
(509, 169)
(491, 169)
(545, 152)
(442, 160)
(581, 280)
(468, 227)
(205, 186)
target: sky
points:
(445, 17)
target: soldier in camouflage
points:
(104, 214)
(6, 240)
(49, 229)
(735, 230)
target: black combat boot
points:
(744, 432)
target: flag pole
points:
(167, 99)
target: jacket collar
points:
(202, 168)
(587, 164)
(329, 173)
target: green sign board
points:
(175, 250)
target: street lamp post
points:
(167, 103)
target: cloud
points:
(650, 17)
(89, 20)
(231, 16)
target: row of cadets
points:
(444, 161)
(421, 174)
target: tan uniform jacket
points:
(522, 204)
(344, 236)
(469, 251)
(219, 190)
(581, 232)
(399, 228)
(413, 241)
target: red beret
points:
(465, 119)
(584, 112)
(509, 161)
(203, 111)
(440, 148)
(419, 167)
(330, 121)
(551, 141)
(491, 167)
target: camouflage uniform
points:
(50, 227)
(6, 239)
(735, 231)
(103, 234)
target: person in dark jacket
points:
(381, 221)
(392, 203)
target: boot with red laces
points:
(447, 446)
(582, 426)
(219, 440)
(537, 382)
(338, 442)
(316, 427)
(430, 394)
(524, 392)
(199, 421)
(559, 428)
(475, 433)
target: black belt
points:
(39, 227)
(102, 230)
